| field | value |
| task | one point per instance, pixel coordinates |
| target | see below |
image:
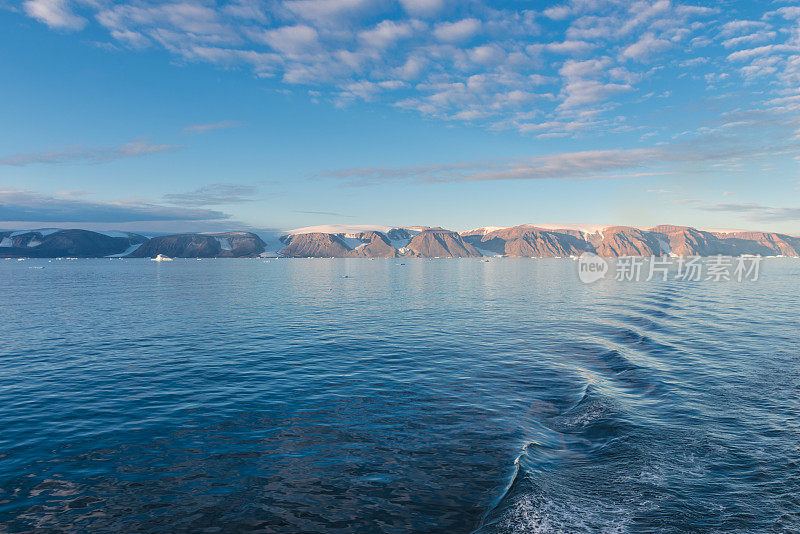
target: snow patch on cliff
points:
(585, 228)
(127, 251)
(488, 253)
(114, 233)
(43, 231)
(339, 229)
(224, 243)
(485, 230)
(351, 242)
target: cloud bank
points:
(89, 155)
(20, 205)
(213, 195)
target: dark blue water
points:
(368, 396)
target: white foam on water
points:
(541, 515)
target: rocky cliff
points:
(440, 243)
(615, 241)
(528, 241)
(315, 245)
(628, 241)
(54, 243)
(388, 242)
(369, 244)
(222, 245)
(374, 245)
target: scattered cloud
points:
(757, 212)
(196, 129)
(20, 205)
(387, 33)
(645, 47)
(86, 155)
(326, 213)
(55, 13)
(572, 69)
(460, 30)
(589, 164)
(695, 157)
(454, 61)
(423, 8)
(213, 195)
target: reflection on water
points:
(369, 396)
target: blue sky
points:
(196, 115)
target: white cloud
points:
(210, 127)
(645, 47)
(423, 8)
(736, 27)
(89, 155)
(325, 12)
(461, 60)
(789, 12)
(757, 212)
(750, 53)
(54, 13)
(757, 37)
(693, 158)
(486, 54)
(460, 30)
(387, 32)
(557, 12)
(582, 92)
(20, 205)
(570, 47)
(292, 40)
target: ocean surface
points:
(395, 396)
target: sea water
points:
(395, 396)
